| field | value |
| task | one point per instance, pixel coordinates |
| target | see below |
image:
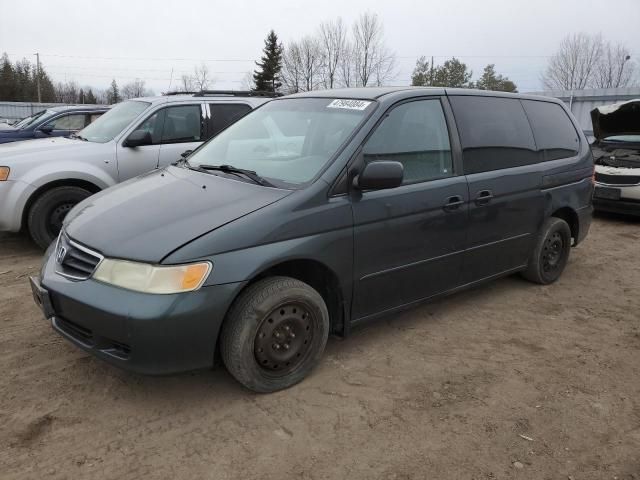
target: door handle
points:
(452, 203)
(484, 197)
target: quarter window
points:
(224, 115)
(494, 133)
(414, 134)
(555, 135)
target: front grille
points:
(74, 260)
(617, 179)
(76, 331)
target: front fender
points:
(71, 170)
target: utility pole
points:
(38, 76)
(431, 73)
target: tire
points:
(267, 316)
(551, 252)
(48, 211)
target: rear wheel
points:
(274, 334)
(49, 210)
(551, 252)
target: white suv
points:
(41, 180)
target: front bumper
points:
(144, 333)
(13, 198)
(626, 203)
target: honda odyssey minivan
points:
(311, 215)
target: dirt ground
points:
(510, 380)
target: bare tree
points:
(346, 70)
(135, 89)
(312, 63)
(186, 84)
(573, 65)
(247, 82)
(613, 68)
(373, 62)
(66, 92)
(333, 40)
(201, 78)
(303, 65)
(291, 74)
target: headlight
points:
(146, 278)
(4, 173)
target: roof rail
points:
(230, 93)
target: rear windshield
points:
(105, 128)
(287, 141)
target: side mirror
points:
(380, 175)
(46, 129)
(186, 153)
(138, 138)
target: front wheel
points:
(48, 211)
(551, 252)
(274, 334)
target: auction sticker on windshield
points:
(349, 104)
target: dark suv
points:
(315, 213)
(53, 122)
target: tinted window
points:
(554, 133)
(224, 115)
(153, 125)
(494, 133)
(414, 134)
(68, 122)
(182, 124)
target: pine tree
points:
(90, 97)
(7, 79)
(421, 76)
(113, 94)
(490, 80)
(267, 77)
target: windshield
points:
(25, 122)
(107, 126)
(623, 138)
(285, 141)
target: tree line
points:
(19, 83)
(336, 55)
(341, 55)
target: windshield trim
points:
(282, 184)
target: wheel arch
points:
(570, 216)
(67, 182)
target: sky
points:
(92, 42)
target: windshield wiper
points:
(79, 137)
(250, 174)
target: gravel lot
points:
(510, 380)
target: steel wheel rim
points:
(552, 252)
(57, 216)
(283, 339)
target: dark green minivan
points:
(315, 213)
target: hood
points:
(616, 119)
(148, 217)
(27, 148)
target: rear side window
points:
(224, 115)
(554, 132)
(494, 133)
(414, 134)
